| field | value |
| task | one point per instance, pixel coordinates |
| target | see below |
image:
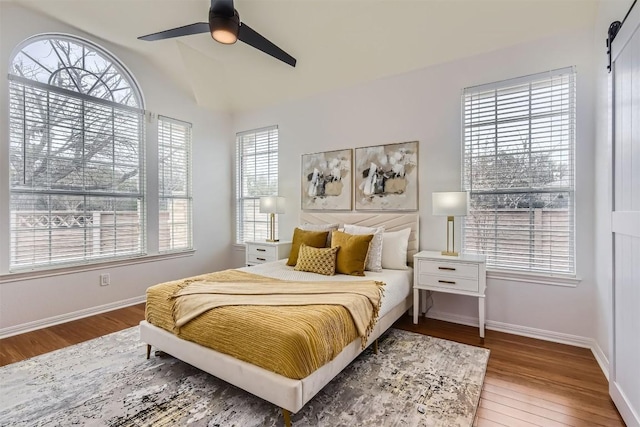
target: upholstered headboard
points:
(391, 222)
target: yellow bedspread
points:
(290, 340)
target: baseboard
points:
(630, 417)
(63, 318)
(541, 334)
(602, 360)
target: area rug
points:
(414, 380)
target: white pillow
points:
(374, 256)
(321, 227)
(394, 249)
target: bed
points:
(288, 393)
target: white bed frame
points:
(289, 394)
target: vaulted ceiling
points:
(337, 43)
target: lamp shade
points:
(272, 204)
(450, 203)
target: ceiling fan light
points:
(224, 36)
(224, 29)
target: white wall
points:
(424, 105)
(37, 301)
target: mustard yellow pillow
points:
(317, 260)
(316, 239)
(352, 255)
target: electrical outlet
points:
(105, 280)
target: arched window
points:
(76, 155)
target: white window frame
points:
(67, 83)
(148, 182)
(481, 107)
(184, 236)
(247, 205)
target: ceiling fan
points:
(225, 27)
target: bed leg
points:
(375, 346)
(148, 351)
(287, 417)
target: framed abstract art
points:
(327, 180)
(386, 177)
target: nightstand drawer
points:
(448, 269)
(259, 259)
(448, 282)
(263, 251)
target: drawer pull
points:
(447, 281)
(261, 250)
(447, 268)
(261, 259)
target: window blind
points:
(174, 183)
(75, 177)
(256, 175)
(518, 165)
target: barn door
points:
(624, 375)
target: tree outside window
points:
(518, 165)
(76, 133)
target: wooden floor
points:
(24, 346)
(528, 383)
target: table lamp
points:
(450, 204)
(272, 205)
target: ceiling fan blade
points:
(252, 38)
(222, 7)
(186, 30)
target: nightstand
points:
(261, 252)
(463, 275)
